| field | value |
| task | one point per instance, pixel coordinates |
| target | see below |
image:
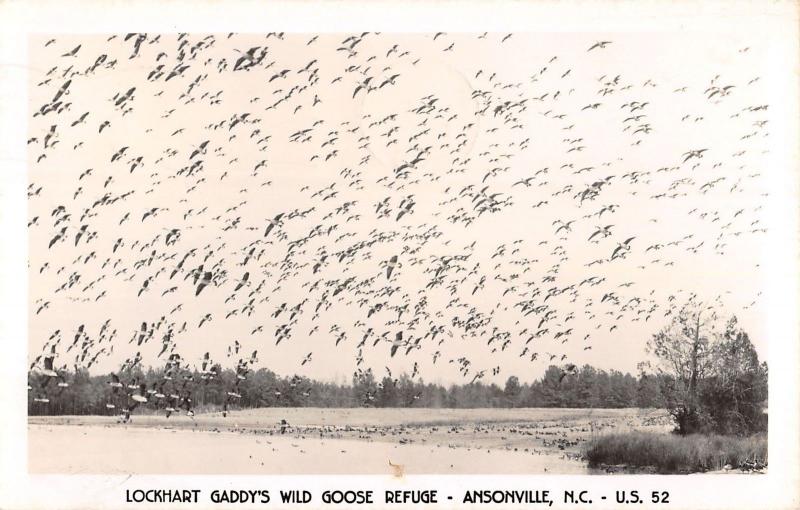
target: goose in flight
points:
(363, 85)
(204, 282)
(697, 153)
(569, 369)
(141, 396)
(390, 266)
(274, 222)
(396, 343)
(115, 383)
(246, 58)
(599, 44)
(563, 225)
(604, 231)
(389, 81)
(73, 52)
(243, 281)
(622, 248)
(48, 370)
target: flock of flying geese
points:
(276, 187)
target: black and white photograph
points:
(406, 252)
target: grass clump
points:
(669, 453)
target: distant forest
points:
(585, 387)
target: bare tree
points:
(683, 354)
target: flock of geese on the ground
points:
(276, 187)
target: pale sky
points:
(536, 120)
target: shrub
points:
(670, 453)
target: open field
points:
(331, 441)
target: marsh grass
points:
(670, 453)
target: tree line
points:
(585, 387)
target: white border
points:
(777, 21)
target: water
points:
(96, 449)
